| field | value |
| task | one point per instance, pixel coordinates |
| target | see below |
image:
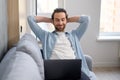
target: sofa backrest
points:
(3, 28)
(29, 45)
(26, 59)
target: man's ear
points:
(52, 21)
(67, 20)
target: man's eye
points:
(63, 19)
(57, 20)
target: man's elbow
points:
(31, 19)
(87, 19)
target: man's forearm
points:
(43, 19)
(73, 19)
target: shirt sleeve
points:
(84, 20)
(40, 33)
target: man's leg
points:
(84, 76)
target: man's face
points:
(59, 21)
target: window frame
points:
(61, 4)
(108, 36)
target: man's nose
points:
(60, 22)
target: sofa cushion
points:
(21, 67)
(6, 60)
(29, 45)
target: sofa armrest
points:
(89, 61)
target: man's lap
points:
(84, 76)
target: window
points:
(110, 18)
(46, 7)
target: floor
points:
(107, 73)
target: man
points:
(60, 44)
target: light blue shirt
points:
(48, 39)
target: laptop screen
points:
(68, 69)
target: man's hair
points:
(57, 10)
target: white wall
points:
(104, 53)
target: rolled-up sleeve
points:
(84, 21)
(36, 28)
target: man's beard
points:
(60, 29)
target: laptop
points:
(67, 69)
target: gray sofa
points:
(24, 61)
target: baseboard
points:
(106, 64)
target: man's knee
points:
(84, 76)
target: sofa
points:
(24, 61)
